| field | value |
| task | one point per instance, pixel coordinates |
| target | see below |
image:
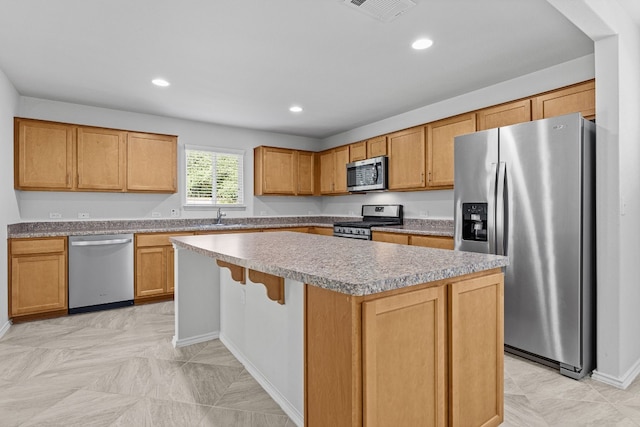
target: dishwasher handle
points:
(101, 242)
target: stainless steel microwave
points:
(368, 175)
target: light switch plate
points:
(55, 215)
(156, 214)
(175, 213)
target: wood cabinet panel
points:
(477, 351)
(407, 159)
(333, 170)
(325, 231)
(580, 98)
(505, 114)
(383, 236)
(37, 276)
(295, 229)
(438, 242)
(358, 151)
(377, 146)
(276, 172)
(154, 266)
(306, 173)
(101, 159)
(151, 163)
(151, 271)
(404, 359)
(43, 155)
(440, 141)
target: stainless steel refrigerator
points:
(528, 191)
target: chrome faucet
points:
(219, 216)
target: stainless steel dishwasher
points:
(100, 272)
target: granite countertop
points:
(350, 266)
(431, 227)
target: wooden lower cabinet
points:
(325, 231)
(383, 236)
(438, 242)
(37, 277)
(428, 355)
(154, 266)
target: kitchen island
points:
(351, 332)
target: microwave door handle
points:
(375, 173)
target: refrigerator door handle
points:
(500, 209)
(492, 218)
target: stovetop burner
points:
(373, 216)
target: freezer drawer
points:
(100, 272)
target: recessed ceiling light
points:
(421, 44)
(160, 82)
(296, 109)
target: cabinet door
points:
(151, 163)
(476, 351)
(38, 276)
(151, 271)
(407, 159)
(381, 236)
(580, 98)
(358, 151)
(305, 173)
(505, 115)
(43, 155)
(404, 359)
(377, 147)
(440, 139)
(340, 169)
(438, 242)
(327, 166)
(279, 171)
(101, 159)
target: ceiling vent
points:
(382, 10)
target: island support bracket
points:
(273, 284)
(237, 273)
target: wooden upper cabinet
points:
(43, 155)
(440, 138)
(358, 151)
(275, 171)
(101, 159)
(580, 98)
(377, 146)
(152, 163)
(407, 158)
(333, 170)
(505, 115)
(306, 173)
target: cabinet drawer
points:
(439, 242)
(383, 236)
(157, 239)
(38, 246)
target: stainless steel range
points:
(372, 216)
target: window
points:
(214, 176)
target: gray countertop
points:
(350, 266)
(432, 227)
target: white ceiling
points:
(243, 63)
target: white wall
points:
(617, 60)
(439, 203)
(9, 211)
(35, 205)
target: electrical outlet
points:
(55, 215)
(424, 214)
(83, 215)
(175, 213)
(156, 214)
(263, 213)
(352, 213)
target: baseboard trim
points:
(5, 328)
(621, 383)
(287, 407)
(195, 340)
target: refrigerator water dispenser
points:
(474, 221)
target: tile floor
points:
(118, 368)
